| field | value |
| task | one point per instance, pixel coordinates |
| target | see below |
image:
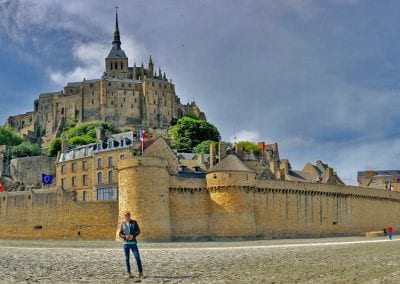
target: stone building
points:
(91, 170)
(125, 96)
(384, 179)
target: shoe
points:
(141, 276)
(128, 275)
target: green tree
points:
(203, 147)
(26, 149)
(249, 147)
(81, 140)
(9, 137)
(54, 147)
(189, 132)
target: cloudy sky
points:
(321, 78)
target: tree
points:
(54, 147)
(203, 147)
(26, 149)
(9, 137)
(81, 140)
(189, 132)
(249, 147)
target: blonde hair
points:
(126, 213)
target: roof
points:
(116, 52)
(230, 163)
(120, 140)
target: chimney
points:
(212, 155)
(329, 172)
(100, 134)
(64, 144)
(221, 150)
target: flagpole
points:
(142, 146)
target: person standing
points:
(390, 231)
(128, 231)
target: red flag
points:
(1, 187)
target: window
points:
(122, 66)
(84, 180)
(63, 169)
(73, 181)
(122, 156)
(110, 176)
(109, 84)
(91, 85)
(116, 65)
(110, 161)
(111, 66)
(99, 163)
(108, 193)
(63, 182)
(73, 167)
(84, 196)
(99, 177)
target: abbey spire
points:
(117, 37)
(116, 61)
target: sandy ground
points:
(334, 260)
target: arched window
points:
(110, 176)
(99, 163)
(116, 65)
(99, 177)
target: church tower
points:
(116, 61)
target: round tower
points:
(143, 190)
(230, 184)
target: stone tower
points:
(116, 61)
(143, 190)
(231, 186)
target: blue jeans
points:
(389, 235)
(135, 250)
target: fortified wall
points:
(229, 202)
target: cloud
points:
(245, 135)
(89, 59)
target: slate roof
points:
(116, 52)
(231, 163)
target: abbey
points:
(124, 97)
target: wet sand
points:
(333, 260)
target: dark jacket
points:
(134, 230)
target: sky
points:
(320, 78)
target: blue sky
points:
(318, 77)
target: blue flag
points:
(47, 179)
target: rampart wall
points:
(55, 214)
(29, 169)
(172, 208)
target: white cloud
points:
(245, 135)
(90, 60)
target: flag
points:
(47, 179)
(142, 134)
(1, 187)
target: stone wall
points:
(172, 208)
(29, 169)
(54, 214)
(189, 208)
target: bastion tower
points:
(231, 184)
(143, 190)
